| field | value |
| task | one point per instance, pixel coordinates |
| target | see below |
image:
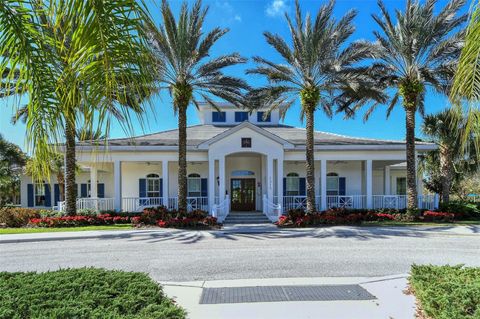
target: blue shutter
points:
(30, 195)
(341, 186)
(83, 191)
(161, 187)
(56, 194)
(241, 116)
(260, 117)
(302, 186)
(284, 186)
(219, 117)
(142, 187)
(48, 195)
(204, 187)
(101, 190)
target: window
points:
(261, 117)
(246, 142)
(40, 199)
(194, 185)
(241, 116)
(292, 184)
(243, 173)
(401, 185)
(333, 184)
(219, 117)
(153, 185)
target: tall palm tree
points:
(321, 68)
(418, 51)
(446, 130)
(182, 51)
(73, 58)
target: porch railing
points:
(297, 202)
(193, 203)
(137, 204)
(271, 209)
(97, 204)
(221, 210)
(347, 201)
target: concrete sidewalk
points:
(344, 231)
(390, 300)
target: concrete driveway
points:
(238, 252)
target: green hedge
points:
(447, 292)
(84, 293)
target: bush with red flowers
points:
(75, 221)
(430, 216)
(164, 218)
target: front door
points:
(243, 194)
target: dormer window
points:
(241, 116)
(219, 117)
(261, 118)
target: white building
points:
(237, 161)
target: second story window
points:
(246, 142)
(219, 117)
(241, 116)
(262, 118)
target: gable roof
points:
(205, 134)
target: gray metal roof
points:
(198, 134)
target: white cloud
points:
(228, 12)
(276, 8)
(237, 18)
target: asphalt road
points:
(186, 255)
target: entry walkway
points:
(328, 298)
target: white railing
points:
(272, 210)
(137, 204)
(193, 203)
(297, 202)
(97, 204)
(428, 201)
(221, 210)
(347, 201)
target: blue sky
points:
(247, 20)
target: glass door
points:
(242, 194)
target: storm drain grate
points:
(283, 293)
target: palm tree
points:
(321, 68)
(446, 130)
(75, 59)
(418, 51)
(11, 160)
(181, 52)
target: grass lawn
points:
(446, 292)
(84, 293)
(25, 230)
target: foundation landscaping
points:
(84, 293)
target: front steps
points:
(246, 218)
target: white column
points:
(369, 183)
(221, 173)
(280, 181)
(117, 176)
(387, 180)
(270, 178)
(165, 180)
(323, 184)
(211, 183)
(93, 182)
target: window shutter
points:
(56, 194)
(161, 187)
(30, 195)
(341, 186)
(204, 187)
(101, 190)
(83, 191)
(48, 195)
(142, 187)
(284, 186)
(302, 186)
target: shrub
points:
(87, 212)
(75, 221)
(447, 291)
(163, 218)
(16, 216)
(461, 209)
(430, 216)
(84, 293)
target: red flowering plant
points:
(430, 216)
(175, 219)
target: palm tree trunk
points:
(70, 196)
(411, 161)
(61, 185)
(310, 162)
(182, 158)
(446, 170)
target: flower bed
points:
(75, 221)
(164, 218)
(298, 218)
